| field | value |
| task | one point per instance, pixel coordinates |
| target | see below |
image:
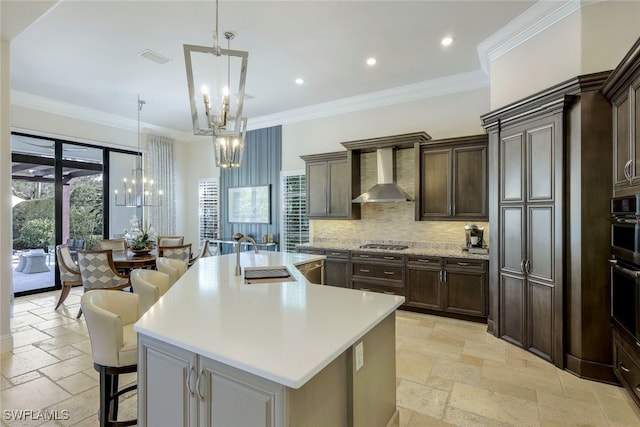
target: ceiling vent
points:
(154, 56)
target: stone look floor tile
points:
(33, 395)
(437, 365)
(496, 406)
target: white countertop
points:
(284, 332)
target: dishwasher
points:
(313, 271)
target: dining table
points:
(127, 260)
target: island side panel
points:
(372, 388)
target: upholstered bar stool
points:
(173, 267)
(110, 317)
(150, 285)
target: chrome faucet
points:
(238, 244)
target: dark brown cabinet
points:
(337, 266)
(447, 285)
(452, 179)
(329, 186)
(378, 272)
(548, 276)
(623, 90)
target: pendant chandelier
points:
(138, 190)
(218, 74)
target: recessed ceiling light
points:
(371, 61)
(154, 56)
(299, 81)
(446, 41)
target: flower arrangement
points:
(140, 237)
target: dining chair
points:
(175, 268)
(170, 240)
(69, 272)
(98, 271)
(150, 285)
(112, 244)
(110, 317)
(204, 252)
(181, 252)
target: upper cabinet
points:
(622, 88)
(329, 186)
(451, 179)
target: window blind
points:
(208, 207)
(295, 225)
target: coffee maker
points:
(474, 235)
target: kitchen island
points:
(216, 351)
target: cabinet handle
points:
(334, 253)
(389, 273)
(200, 396)
(444, 275)
(426, 261)
(624, 368)
(522, 266)
(527, 267)
(191, 369)
(363, 256)
(362, 270)
(464, 264)
(389, 292)
(440, 276)
(389, 257)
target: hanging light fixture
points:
(218, 74)
(138, 190)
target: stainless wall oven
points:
(625, 264)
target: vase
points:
(140, 251)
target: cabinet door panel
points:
(512, 238)
(541, 242)
(511, 168)
(622, 146)
(465, 292)
(167, 400)
(635, 130)
(339, 188)
(512, 309)
(436, 185)
(424, 288)
(541, 163)
(317, 189)
(541, 319)
(470, 182)
(337, 273)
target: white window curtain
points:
(161, 169)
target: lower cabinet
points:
(626, 362)
(378, 272)
(337, 268)
(180, 388)
(448, 285)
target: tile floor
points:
(449, 372)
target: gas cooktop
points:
(383, 247)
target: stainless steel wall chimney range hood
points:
(385, 190)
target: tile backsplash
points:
(392, 222)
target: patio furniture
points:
(32, 262)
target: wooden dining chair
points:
(98, 271)
(112, 244)
(170, 240)
(181, 252)
(69, 272)
(204, 252)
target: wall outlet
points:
(359, 355)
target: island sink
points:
(267, 274)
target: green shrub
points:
(35, 234)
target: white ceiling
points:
(85, 53)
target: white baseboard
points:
(6, 343)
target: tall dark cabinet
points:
(549, 189)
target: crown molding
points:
(525, 26)
(48, 105)
(413, 92)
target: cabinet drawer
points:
(335, 253)
(311, 251)
(424, 260)
(377, 256)
(390, 272)
(389, 290)
(465, 263)
(627, 370)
